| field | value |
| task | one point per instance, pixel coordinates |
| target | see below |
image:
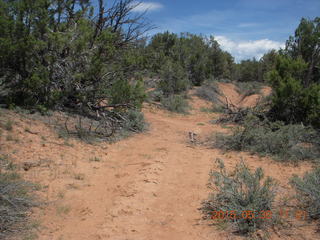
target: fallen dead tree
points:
(235, 114)
(102, 122)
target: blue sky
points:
(245, 28)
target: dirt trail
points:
(146, 187)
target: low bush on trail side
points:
(308, 192)
(176, 103)
(210, 92)
(241, 191)
(15, 201)
(283, 142)
(155, 95)
(135, 121)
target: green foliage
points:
(53, 61)
(155, 95)
(295, 78)
(161, 48)
(239, 192)
(173, 79)
(267, 64)
(249, 71)
(292, 101)
(192, 52)
(197, 57)
(252, 70)
(176, 103)
(308, 193)
(55, 55)
(122, 92)
(220, 64)
(305, 44)
(135, 121)
(284, 142)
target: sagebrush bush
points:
(15, 201)
(176, 103)
(283, 142)
(210, 92)
(308, 191)
(135, 121)
(155, 95)
(241, 191)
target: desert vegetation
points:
(307, 192)
(90, 66)
(15, 200)
(241, 192)
(284, 142)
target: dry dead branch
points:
(235, 114)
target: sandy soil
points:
(146, 187)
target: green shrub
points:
(47, 64)
(42, 109)
(200, 57)
(122, 92)
(284, 142)
(292, 100)
(174, 79)
(308, 192)
(248, 71)
(134, 121)
(239, 192)
(155, 95)
(176, 103)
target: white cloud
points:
(248, 49)
(147, 6)
(247, 25)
